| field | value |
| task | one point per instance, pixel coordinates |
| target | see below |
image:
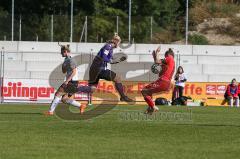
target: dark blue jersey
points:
(106, 54)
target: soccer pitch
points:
(124, 132)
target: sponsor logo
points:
(210, 89)
(16, 89)
(221, 89)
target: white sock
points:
(54, 104)
(73, 102)
(231, 102)
(155, 107)
(237, 102)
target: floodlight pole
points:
(129, 21)
(186, 36)
(151, 28)
(86, 28)
(71, 31)
(52, 28)
(117, 24)
(12, 20)
(20, 28)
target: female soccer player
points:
(98, 69)
(70, 85)
(163, 83)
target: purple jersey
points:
(106, 54)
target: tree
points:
(168, 18)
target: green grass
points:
(212, 132)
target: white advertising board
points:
(31, 91)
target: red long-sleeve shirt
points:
(238, 88)
(232, 90)
(167, 69)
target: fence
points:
(144, 29)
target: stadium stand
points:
(41, 60)
(201, 63)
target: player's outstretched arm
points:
(156, 56)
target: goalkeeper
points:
(163, 83)
(98, 69)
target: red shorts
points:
(158, 86)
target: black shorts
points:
(96, 73)
(71, 87)
(103, 74)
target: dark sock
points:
(85, 89)
(119, 88)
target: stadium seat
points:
(15, 65)
(223, 78)
(221, 69)
(188, 59)
(192, 68)
(216, 60)
(17, 74)
(88, 47)
(42, 46)
(215, 50)
(197, 77)
(42, 66)
(46, 75)
(11, 46)
(33, 56)
(9, 56)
